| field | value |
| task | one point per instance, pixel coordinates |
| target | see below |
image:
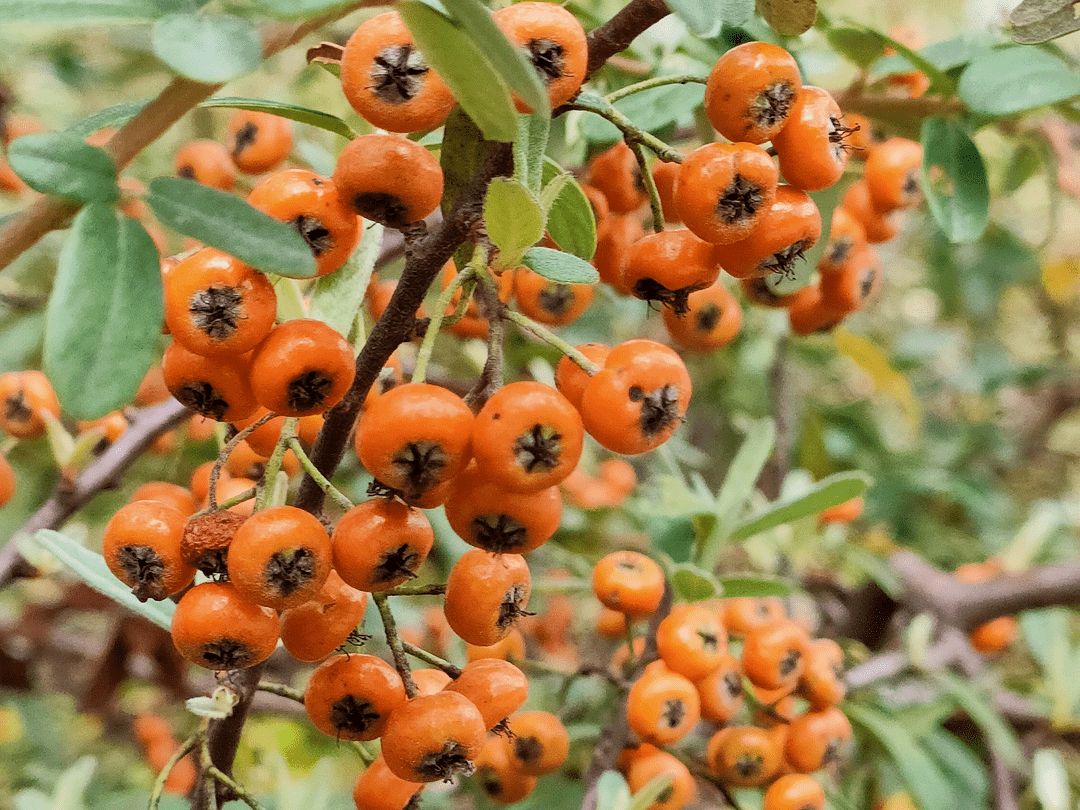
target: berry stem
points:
(431, 658)
(189, 745)
(546, 335)
(226, 451)
(423, 357)
(649, 84)
(631, 132)
(650, 186)
(631, 659)
(491, 376)
(273, 465)
(236, 787)
(282, 690)
(320, 479)
(393, 640)
(416, 590)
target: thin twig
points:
(430, 658)
(281, 689)
(393, 640)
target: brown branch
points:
(966, 606)
(181, 95)
(145, 426)
(880, 106)
(424, 260)
(616, 34)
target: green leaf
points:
(828, 492)
(756, 586)
(954, 180)
(104, 316)
(858, 45)
(66, 165)
(289, 9)
(91, 568)
(1013, 80)
(612, 792)
(339, 296)
(924, 779)
(564, 268)
(704, 17)
(652, 791)
(963, 767)
(1036, 21)
(749, 461)
(460, 62)
(788, 17)
(315, 118)
(693, 584)
(570, 219)
(74, 12)
(509, 61)
(1000, 736)
(114, 116)
(552, 190)
(1050, 779)
(513, 218)
(529, 148)
(736, 12)
(209, 48)
(223, 221)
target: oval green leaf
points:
(230, 224)
(477, 86)
(570, 221)
(513, 218)
(693, 584)
(564, 268)
(91, 569)
(209, 48)
(114, 116)
(788, 17)
(1012, 80)
(954, 180)
(66, 165)
(104, 316)
(755, 586)
(509, 61)
(703, 17)
(303, 115)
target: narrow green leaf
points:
(789, 17)
(703, 17)
(223, 221)
(693, 584)
(452, 53)
(291, 9)
(315, 118)
(66, 165)
(339, 296)
(1012, 80)
(210, 48)
(742, 475)
(999, 735)
(570, 219)
(104, 316)
(91, 568)
(513, 218)
(1050, 779)
(962, 766)
(835, 489)
(565, 268)
(954, 180)
(612, 792)
(76, 12)
(510, 62)
(653, 790)
(114, 116)
(755, 586)
(924, 779)
(529, 148)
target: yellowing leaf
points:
(1061, 279)
(887, 380)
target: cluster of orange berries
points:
(796, 682)
(740, 217)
